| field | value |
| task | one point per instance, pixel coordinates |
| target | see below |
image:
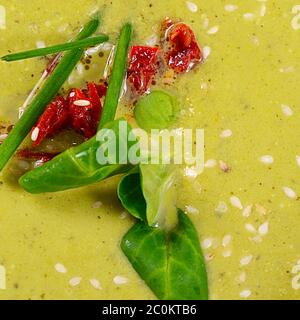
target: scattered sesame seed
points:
(221, 207)
(2, 18)
(35, 134)
(207, 243)
(296, 21)
(242, 277)
(263, 10)
(205, 23)
(40, 44)
(264, 229)
(249, 16)
(246, 260)
(75, 281)
(236, 202)
(211, 163)
(247, 211)
(290, 193)
(249, 227)
(226, 240)
(96, 284)
(296, 282)
(230, 7)
(191, 209)
(60, 268)
(213, 30)
(2, 278)
(227, 253)
(191, 172)
(97, 205)
(289, 69)
(267, 159)
(119, 280)
(226, 134)
(82, 103)
(260, 209)
(287, 110)
(209, 257)
(80, 69)
(206, 52)
(298, 160)
(192, 6)
(224, 166)
(245, 294)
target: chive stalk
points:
(50, 88)
(85, 43)
(117, 76)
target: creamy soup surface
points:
(245, 205)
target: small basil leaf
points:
(131, 195)
(171, 264)
(156, 111)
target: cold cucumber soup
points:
(237, 78)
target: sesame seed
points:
(2, 18)
(95, 283)
(263, 10)
(295, 21)
(247, 211)
(249, 16)
(206, 52)
(97, 205)
(35, 134)
(2, 278)
(211, 163)
(60, 268)
(249, 227)
(246, 260)
(207, 243)
(289, 69)
(242, 277)
(227, 253)
(191, 172)
(290, 193)
(226, 134)
(267, 159)
(191, 209)
(296, 282)
(75, 281)
(40, 44)
(298, 160)
(230, 7)
(263, 229)
(224, 166)
(226, 240)
(82, 103)
(192, 6)
(221, 207)
(209, 257)
(205, 23)
(236, 202)
(119, 280)
(245, 294)
(213, 30)
(287, 110)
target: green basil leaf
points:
(171, 264)
(156, 111)
(78, 167)
(131, 195)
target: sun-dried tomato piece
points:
(41, 157)
(102, 89)
(85, 110)
(182, 51)
(142, 67)
(51, 121)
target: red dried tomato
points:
(142, 67)
(51, 121)
(182, 49)
(85, 110)
(41, 157)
